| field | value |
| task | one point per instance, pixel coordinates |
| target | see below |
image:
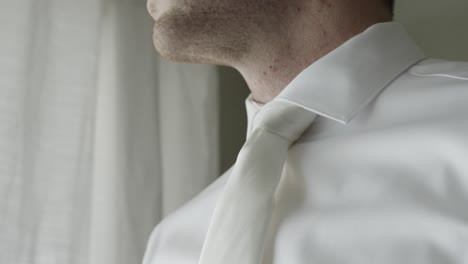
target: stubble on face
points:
(215, 32)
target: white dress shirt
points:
(381, 176)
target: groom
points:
(379, 177)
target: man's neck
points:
(277, 60)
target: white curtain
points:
(99, 139)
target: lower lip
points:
(152, 11)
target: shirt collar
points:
(346, 79)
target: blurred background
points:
(100, 138)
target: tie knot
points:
(284, 119)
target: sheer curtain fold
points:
(99, 139)
(46, 108)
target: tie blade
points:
(242, 215)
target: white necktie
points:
(241, 217)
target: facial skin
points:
(213, 31)
(268, 41)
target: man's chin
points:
(170, 41)
(192, 38)
(169, 49)
(178, 48)
(164, 45)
